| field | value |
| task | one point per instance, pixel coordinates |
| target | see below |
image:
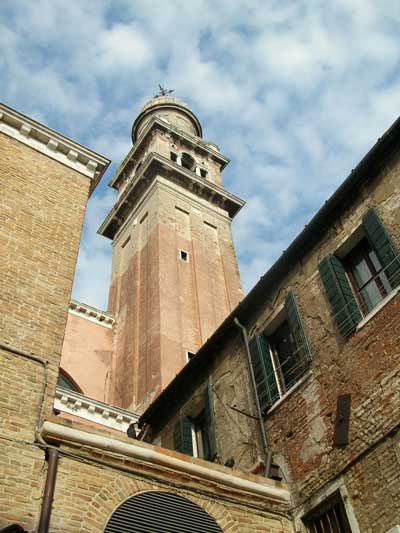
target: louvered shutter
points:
(210, 441)
(337, 287)
(267, 389)
(296, 328)
(183, 436)
(383, 245)
(160, 512)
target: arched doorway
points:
(160, 512)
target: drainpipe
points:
(48, 493)
(45, 364)
(266, 453)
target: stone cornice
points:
(181, 196)
(77, 404)
(91, 313)
(162, 125)
(53, 144)
(182, 176)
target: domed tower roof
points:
(170, 109)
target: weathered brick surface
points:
(42, 204)
(300, 429)
(164, 305)
(87, 494)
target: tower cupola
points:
(170, 109)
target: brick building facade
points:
(289, 410)
(323, 333)
(62, 470)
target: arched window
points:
(160, 512)
(66, 382)
(188, 162)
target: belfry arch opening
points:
(160, 512)
(188, 161)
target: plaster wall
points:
(86, 355)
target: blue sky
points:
(294, 92)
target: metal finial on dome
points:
(163, 92)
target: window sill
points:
(376, 309)
(289, 392)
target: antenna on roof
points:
(163, 92)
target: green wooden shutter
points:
(337, 287)
(303, 353)
(267, 388)
(383, 245)
(296, 327)
(209, 437)
(183, 436)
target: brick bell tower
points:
(174, 271)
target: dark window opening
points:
(194, 434)
(66, 382)
(188, 162)
(203, 436)
(281, 358)
(328, 517)
(367, 276)
(288, 357)
(173, 156)
(357, 283)
(203, 173)
(184, 256)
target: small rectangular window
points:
(203, 173)
(184, 255)
(173, 156)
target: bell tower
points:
(174, 271)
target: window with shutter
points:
(280, 358)
(383, 246)
(340, 295)
(358, 281)
(196, 434)
(183, 441)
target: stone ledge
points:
(76, 404)
(91, 313)
(52, 144)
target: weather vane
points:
(163, 92)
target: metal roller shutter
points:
(160, 512)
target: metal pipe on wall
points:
(45, 364)
(267, 455)
(48, 492)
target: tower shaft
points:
(174, 271)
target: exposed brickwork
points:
(300, 428)
(87, 494)
(42, 205)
